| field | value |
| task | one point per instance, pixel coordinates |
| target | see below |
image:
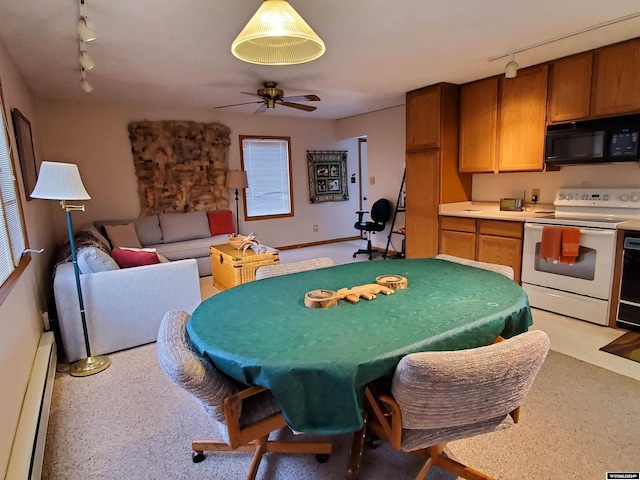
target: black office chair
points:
(380, 214)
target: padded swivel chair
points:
(438, 397)
(245, 415)
(380, 214)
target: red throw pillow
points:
(221, 222)
(126, 258)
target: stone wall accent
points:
(180, 165)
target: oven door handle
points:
(583, 231)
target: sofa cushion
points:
(177, 227)
(93, 260)
(123, 235)
(221, 222)
(131, 257)
(148, 230)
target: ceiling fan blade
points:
(299, 106)
(254, 94)
(302, 98)
(261, 108)
(236, 104)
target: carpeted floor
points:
(130, 422)
(626, 346)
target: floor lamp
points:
(237, 180)
(61, 181)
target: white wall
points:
(385, 132)
(489, 187)
(20, 320)
(95, 137)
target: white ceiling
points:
(177, 52)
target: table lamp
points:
(236, 179)
(61, 181)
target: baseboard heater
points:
(27, 452)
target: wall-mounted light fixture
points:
(86, 34)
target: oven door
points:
(590, 275)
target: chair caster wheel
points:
(322, 457)
(197, 457)
(354, 255)
(373, 442)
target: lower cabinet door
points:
(501, 250)
(459, 244)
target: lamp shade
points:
(236, 179)
(277, 35)
(59, 181)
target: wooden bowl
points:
(235, 242)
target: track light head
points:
(84, 83)
(86, 61)
(85, 30)
(511, 68)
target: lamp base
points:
(89, 366)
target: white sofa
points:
(124, 307)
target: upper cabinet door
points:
(570, 88)
(478, 123)
(423, 118)
(616, 78)
(522, 122)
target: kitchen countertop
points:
(633, 225)
(491, 211)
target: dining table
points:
(318, 361)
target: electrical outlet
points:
(535, 195)
(315, 228)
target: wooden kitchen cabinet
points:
(616, 79)
(522, 123)
(423, 118)
(501, 242)
(432, 175)
(458, 237)
(478, 126)
(491, 241)
(570, 88)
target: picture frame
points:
(327, 175)
(26, 154)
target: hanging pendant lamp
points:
(277, 35)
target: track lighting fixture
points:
(84, 26)
(85, 60)
(84, 83)
(511, 68)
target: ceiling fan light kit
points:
(277, 35)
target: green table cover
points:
(318, 361)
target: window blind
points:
(266, 162)
(12, 242)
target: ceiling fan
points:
(270, 96)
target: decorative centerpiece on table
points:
(243, 243)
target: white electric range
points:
(581, 289)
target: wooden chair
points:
(293, 267)
(494, 267)
(438, 397)
(245, 416)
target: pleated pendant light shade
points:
(277, 35)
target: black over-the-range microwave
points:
(605, 140)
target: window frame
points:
(247, 218)
(12, 279)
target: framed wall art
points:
(22, 129)
(327, 175)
